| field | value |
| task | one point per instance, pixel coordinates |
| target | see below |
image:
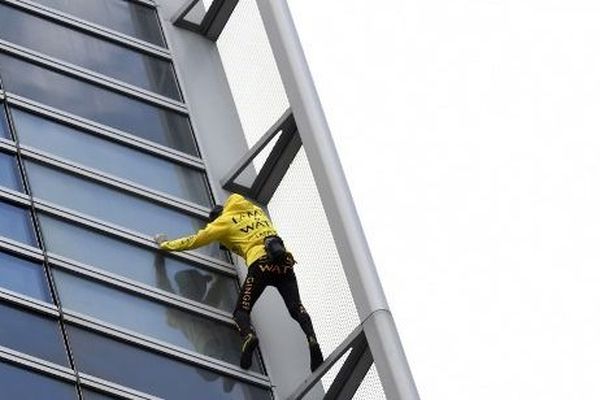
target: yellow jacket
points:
(241, 227)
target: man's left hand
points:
(160, 238)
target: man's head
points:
(215, 212)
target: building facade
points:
(121, 119)
(99, 152)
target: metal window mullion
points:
(28, 303)
(182, 90)
(92, 77)
(112, 180)
(15, 197)
(8, 146)
(37, 364)
(104, 131)
(91, 28)
(22, 249)
(53, 290)
(164, 348)
(116, 183)
(140, 290)
(130, 236)
(92, 382)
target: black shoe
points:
(248, 345)
(316, 357)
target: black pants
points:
(261, 274)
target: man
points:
(245, 229)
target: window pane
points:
(32, 334)
(137, 263)
(26, 277)
(4, 131)
(119, 160)
(138, 118)
(22, 384)
(87, 51)
(9, 172)
(149, 318)
(16, 223)
(152, 373)
(89, 395)
(124, 16)
(114, 206)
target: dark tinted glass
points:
(31, 334)
(23, 276)
(22, 384)
(88, 395)
(152, 373)
(134, 165)
(87, 51)
(75, 96)
(138, 263)
(149, 318)
(4, 131)
(124, 16)
(16, 223)
(9, 172)
(111, 205)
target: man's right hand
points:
(160, 238)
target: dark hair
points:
(215, 212)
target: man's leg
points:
(287, 286)
(251, 290)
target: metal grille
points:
(253, 76)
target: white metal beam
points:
(351, 243)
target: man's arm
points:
(203, 237)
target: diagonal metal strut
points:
(275, 167)
(213, 22)
(349, 377)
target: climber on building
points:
(245, 229)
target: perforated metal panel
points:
(296, 207)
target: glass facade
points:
(16, 223)
(4, 131)
(159, 321)
(32, 334)
(153, 373)
(115, 206)
(89, 395)
(23, 384)
(128, 17)
(59, 90)
(105, 203)
(112, 158)
(83, 187)
(143, 265)
(9, 172)
(23, 276)
(87, 51)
